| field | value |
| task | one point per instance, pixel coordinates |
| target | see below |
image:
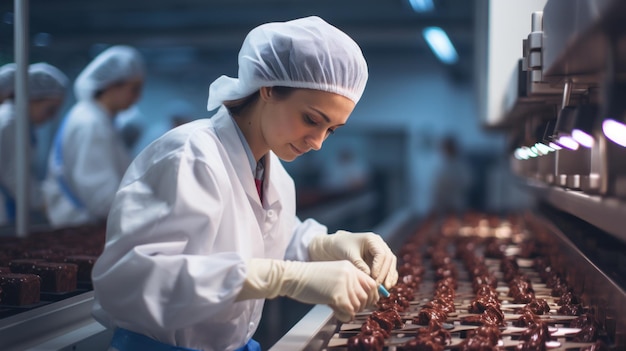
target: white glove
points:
(367, 251)
(337, 284)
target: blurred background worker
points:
(46, 92)
(88, 156)
(7, 81)
(453, 180)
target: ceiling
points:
(62, 28)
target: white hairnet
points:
(7, 79)
(45, 81)
(115, 64)
(303, 53)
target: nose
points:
(315, 140)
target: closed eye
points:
(309, 120)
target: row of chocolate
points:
(485, 309)
(51, 261)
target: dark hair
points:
(237, 107)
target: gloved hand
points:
(339, 285)
(367, 251)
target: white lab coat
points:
(8, 182)
(186, 219)
(94, 161)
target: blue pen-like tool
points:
(382, 291)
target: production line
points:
(551, 278)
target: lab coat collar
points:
(270, 183)
(226, 130)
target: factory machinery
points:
(552, 278)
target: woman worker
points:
(46, 92)
(88, 157)
(7, 82)
(204, 226)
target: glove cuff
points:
(263, 279)
(317, 248)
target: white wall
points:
(509, 23)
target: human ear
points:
(266, 93)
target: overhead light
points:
(562, 133)
(615, 131)
(567, 142)
(422, 5)
(440, 44)
(554, 146)
(614, 112)
(543, 148)
(584, 124)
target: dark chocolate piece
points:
(19, 289)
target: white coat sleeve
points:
(303, 233)
(153, 273)
(94, 172)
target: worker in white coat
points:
(7, 82)
(203, 228)
(47, 88)
(88, 157)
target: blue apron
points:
(9, 204)
(126, 340)
(9, 200)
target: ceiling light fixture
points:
(440, 44)
(422, 5)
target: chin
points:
(287, 158)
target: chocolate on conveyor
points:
(421, 344)
(56, 277)
(387, 320)
(527, 319)
(492, 316)
(495, 248)
(534, 338)
(588, 333)
(571, 310)
(436, 332)
(19, 289)
(426, 315)
(366, 342)
(485, 305)
(432, 337)
(520, 288)
(538, 306)
(442, 304)
(24, 265)
(492, 334)
(568, 299)
(85, 265)
(483, 338)
(370, 326)
(482, 302)
(478, 344)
